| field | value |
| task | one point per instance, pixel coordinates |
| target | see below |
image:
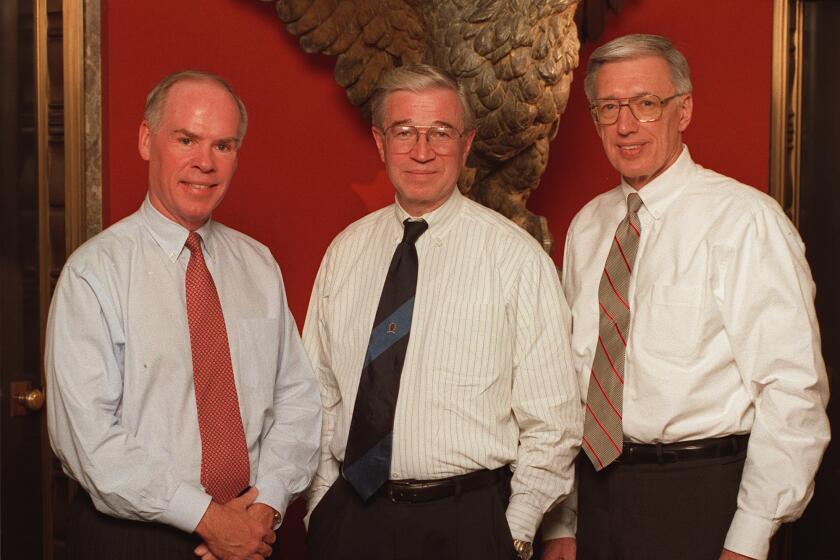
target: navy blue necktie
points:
(367, 460)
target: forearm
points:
(773, 331)
(545, 402)
(289, 449)
(561, 520)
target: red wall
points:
(309, 167)
(728, 46)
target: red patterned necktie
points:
(225, 469)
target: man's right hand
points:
(560, 549)
(230, 533)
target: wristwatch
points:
(524, 549)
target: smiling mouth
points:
(198, 186)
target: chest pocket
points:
(668, 321)
(259, 350)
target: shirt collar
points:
(440, 219)
(170, 236)
(664, 189)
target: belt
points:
(659, 453)
(418, 491)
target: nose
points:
(627, 122)
(421, 150)
(204, 159)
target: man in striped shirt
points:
(471, 374)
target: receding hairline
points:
(158, 96)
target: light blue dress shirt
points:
(120, 396)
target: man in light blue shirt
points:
(122, 401)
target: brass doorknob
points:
(32, 399)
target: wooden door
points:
(42, 219)
(21, 495)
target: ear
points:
(380, 142)
(468, 146)
(686, 108)
(144, 138)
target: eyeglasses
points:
(646, 108)
(402, 138)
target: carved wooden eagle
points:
(515, 58)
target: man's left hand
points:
(559, 549)
(262, 513)
(729, 555)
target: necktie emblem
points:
(225, 467)
(603, 435)
(367, 459)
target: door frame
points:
(76, 124)
(786, 106)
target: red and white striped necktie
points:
(602, 427)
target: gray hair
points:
(636, 46)
(157, 97)
(417, 78)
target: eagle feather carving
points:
(514, 57)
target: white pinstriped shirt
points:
(487, 380)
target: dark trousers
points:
(92, 535)
(657, 511)
(470, 526)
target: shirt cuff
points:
(275, 495)
(558, 523)
(186, 508)
(523, 520)
(750, 535)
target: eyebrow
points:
(434, 123)
(190, 134)
(628, 97)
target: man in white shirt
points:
(428, 409)
(696, 345)
(180, 397)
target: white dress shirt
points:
(487, 380)
(723, 338)
(121, 400)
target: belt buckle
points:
(668, 457)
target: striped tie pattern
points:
(225, 468)
(367, 460)
(602, 431)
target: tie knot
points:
(413, 230)
(634, 202)
(193, 242)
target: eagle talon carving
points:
(515, 58)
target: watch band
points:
(524, 549)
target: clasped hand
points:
(237, 530)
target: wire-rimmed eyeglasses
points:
(646, 108)
(443, 139)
